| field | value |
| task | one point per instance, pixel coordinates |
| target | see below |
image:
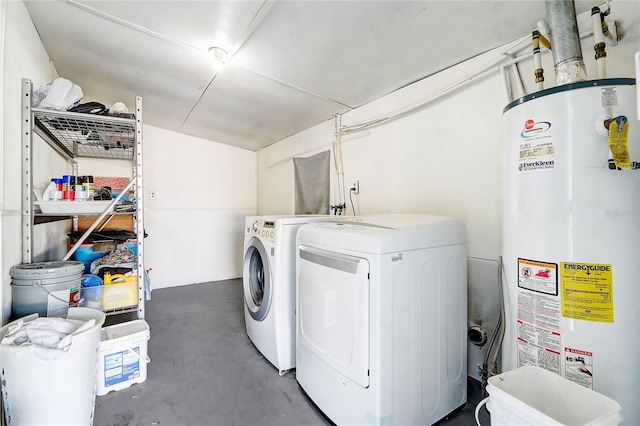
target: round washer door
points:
(256, 279)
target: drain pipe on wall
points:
(516, 73)
(501, 330)
(496, 337)
(601, 32)
(610, 32)
(506, 83)
(565, 42)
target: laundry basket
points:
(52, 392)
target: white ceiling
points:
(293, 64)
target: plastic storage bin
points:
(91, 297)
(72, 207)
(131, 245)
(60, 391)
(85, 253)
(112, 296)
(533, 396)
(122, 360)
(120, 295)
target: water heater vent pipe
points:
(565, 42)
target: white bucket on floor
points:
(59, 391)
(122, 359)
(533, 396)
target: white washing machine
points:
(382, 318)
(268, 278)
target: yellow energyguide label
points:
(586, 291)
(618, 144)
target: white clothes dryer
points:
(382, 318)
(268, 278)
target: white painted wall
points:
(444, 158)
(23, 56)
(204, 191)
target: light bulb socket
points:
(218, 54)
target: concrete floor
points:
(204, 370)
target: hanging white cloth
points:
(311, 176)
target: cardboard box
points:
(118, 221)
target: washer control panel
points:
(263, 228)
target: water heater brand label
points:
(587, 291)
(536, 145)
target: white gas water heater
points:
(571, 236)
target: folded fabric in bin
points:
(122, 259)
(85, 253)
(51, 337)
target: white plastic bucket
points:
(533, 396)
(122, 359)
(54, 392)
(45, 288)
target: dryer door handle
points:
(330, 260)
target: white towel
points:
(50, 337)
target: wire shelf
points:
(87, 135)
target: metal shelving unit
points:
(76, 135)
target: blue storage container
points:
(86, 255)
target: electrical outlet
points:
(152, 195)
(356, 187)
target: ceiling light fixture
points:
(218, 56)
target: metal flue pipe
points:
(565, 42)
